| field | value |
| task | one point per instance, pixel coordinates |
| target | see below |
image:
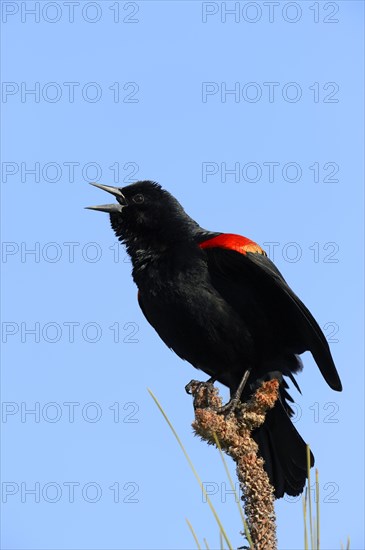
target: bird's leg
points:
(233, 402)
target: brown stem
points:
(234, 434)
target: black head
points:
(146, 211)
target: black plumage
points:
(219, 302)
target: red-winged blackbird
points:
(219, 302)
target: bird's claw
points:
(228, 408)
(194, 387)
(231, 406)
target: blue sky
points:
(254, 121)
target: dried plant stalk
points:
(233, 431)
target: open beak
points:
(115, 208)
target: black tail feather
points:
(284, 452)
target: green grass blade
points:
(348, 543)
(221, 545)
(317, 511)
(245, 526)
(304, 501)
(194, 534)
(310, 497)
(206, 544)
(221, 528)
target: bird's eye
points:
(138, 199)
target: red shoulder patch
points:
(233, 242)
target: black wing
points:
(276, 295)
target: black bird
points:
(219, 302)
